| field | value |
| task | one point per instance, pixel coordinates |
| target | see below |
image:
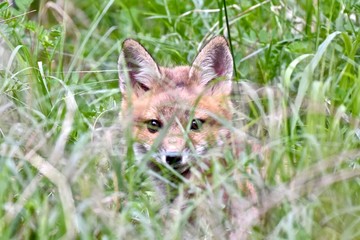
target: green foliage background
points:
(63, 171)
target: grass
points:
(63, 163)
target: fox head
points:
(176, 113)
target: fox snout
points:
(173, 158)
(179, 161)
(172, 149)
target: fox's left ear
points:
(213, 66)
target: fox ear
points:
(136, 68)
(213, 66)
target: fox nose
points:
(173, 158)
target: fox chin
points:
(177, 115)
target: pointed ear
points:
(137, 68)
(213, 66)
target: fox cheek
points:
(140, 149)
(223, 136)
(173, 144)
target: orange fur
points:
(173, 98)
(177, 115)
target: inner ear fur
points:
(136, 68)
(213, 66)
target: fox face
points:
(176, 114)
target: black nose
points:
(173, 159)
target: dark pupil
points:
(153, 126)
(196, 124)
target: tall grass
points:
(65, 171)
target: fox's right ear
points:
(137, 69)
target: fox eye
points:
(153, 125)
(196, 124)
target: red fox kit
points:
(178, 114)
(175, 112)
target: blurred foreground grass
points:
(64, 172)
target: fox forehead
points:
(164, 104)
(176, 79)
(180, 103)
(172, 95)
(178, 76)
